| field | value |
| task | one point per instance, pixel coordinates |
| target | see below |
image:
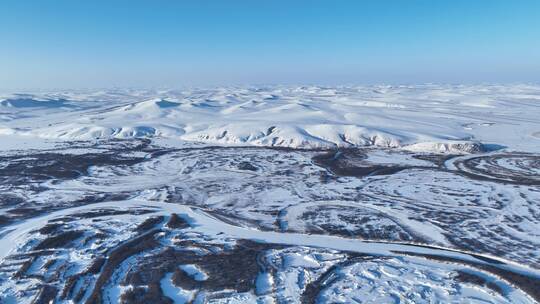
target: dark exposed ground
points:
(350, 162)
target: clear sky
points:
(106, 43)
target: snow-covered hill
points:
(420, 118)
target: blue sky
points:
(78, 44)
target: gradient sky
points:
(80, 44)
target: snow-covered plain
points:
(405, 194)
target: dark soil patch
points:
(46, 295)
(351, 162)
(149, 223)
(176, 222)
(49, 165)
(61, 240)
(50, 228)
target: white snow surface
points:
(439, 118)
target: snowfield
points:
(379, 194)
(418, 118)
